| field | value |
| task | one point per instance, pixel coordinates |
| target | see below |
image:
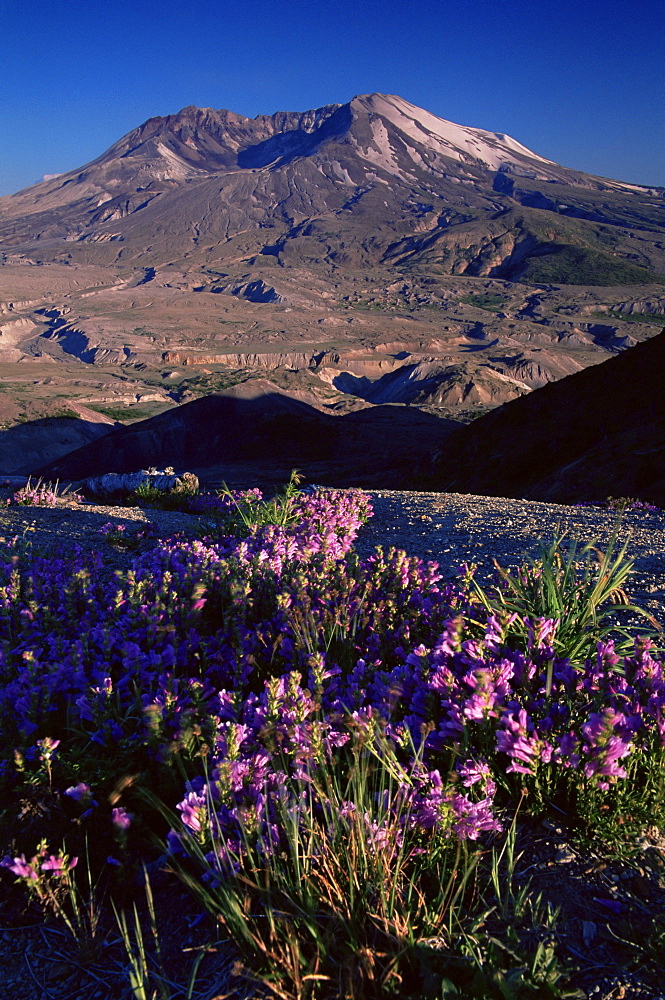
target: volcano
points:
(356, 255)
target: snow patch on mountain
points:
(177, 168)
(379, 152)
(494, 149)
(340, 172)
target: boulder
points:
(118, 486)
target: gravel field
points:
(453, 528)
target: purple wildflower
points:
(59, 864)
(19, 866)
(121, 819)
(472, 818)
(607, 742)
(78, 792)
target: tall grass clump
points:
(358, 876)
(579, 589)
(334, 748)
(250, 510)
(228, 511)
(244, 511)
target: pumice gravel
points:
(457, 528)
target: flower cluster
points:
(57, 865)
(222, 503)
(82, 644)
(281, 659)
(125, 537)
(37, 495)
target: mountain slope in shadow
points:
(594, 434)
(230, 436)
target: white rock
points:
(116, 485)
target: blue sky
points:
(578, 82)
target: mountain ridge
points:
(229, 142)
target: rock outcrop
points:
(114, 486)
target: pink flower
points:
(20, 867)
(78, 792)
(121, 819)
(58, 865)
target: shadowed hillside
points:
(228, 436)
(598, 433)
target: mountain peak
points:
(366, 253)
(492, 149)
(386, 131)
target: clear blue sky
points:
(578, 81)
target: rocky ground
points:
(454, 528)
(451, 528)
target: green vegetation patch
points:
(656, 319)
(564, 264)
(493, 303)
(125, 414)
(365, 305)
(66, 412)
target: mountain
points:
(362, 254)
(206, 176)
(595, 434)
